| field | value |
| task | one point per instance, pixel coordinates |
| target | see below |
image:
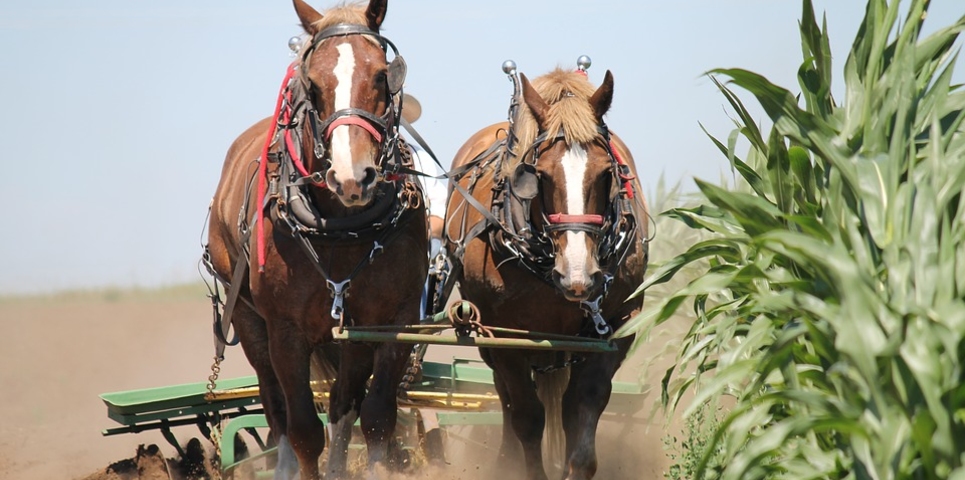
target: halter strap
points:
(345, 29)
(353, 120)
(565, 218)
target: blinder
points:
(609, 227)
(524, 184)
(395, 75)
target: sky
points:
(115, 116)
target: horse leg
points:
(526, 412)
(290, 353)
(584, 401)
(253, 333)
(510, 454)
(354, 369)
(380, 407)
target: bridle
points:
(612, 228)
(615, 229)
(383, 128)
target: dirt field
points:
(57, 354)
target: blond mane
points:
(344, 13)
(568, 94)
(350, 13)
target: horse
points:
(313, 227)
(547, 227)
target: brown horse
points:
(334, 234)
(554, 240)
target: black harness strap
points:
(222, 323)
(338, 289)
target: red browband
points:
(566, 218)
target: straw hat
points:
(411, 108)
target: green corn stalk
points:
(832, 303)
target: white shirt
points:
(435, 189)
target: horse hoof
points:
(287, 468)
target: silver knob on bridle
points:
(583, 63)
(295, 43)
(509, 67)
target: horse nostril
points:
(596, 279)
(558, 279)
(332, 180)
(369, 177)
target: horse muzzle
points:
(353, 191)
(578, 286)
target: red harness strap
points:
(627, 184)
(358, 121)
(557, 218)
(263, 168)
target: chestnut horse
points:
(335, 237)
(554, 240)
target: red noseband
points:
(350, 120)
(557, 218)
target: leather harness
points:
(288, 202)
(511, 230)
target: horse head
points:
(574, 164)
(352, 89)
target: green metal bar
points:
(151, 400)
(431, 328)
(451, 419)
(588, 345)
(133, 419)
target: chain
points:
(216, 461)
(575, 360)
(215, 435)
(213, 379)
(410, 195)
(412, 372)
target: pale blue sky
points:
(116, 114)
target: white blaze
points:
(341, 148)
(574, 170)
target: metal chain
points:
(215, 438)
(213, 378)
(410, 195)
(215, 435)
(574, 360)
(412, 372)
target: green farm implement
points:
(437, 400)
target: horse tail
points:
(550, 386)
(324, 369)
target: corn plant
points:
(832, 307)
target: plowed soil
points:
(58, 353)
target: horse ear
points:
(307, 15)
(536, 104)
(376, 13)
(603, 97)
